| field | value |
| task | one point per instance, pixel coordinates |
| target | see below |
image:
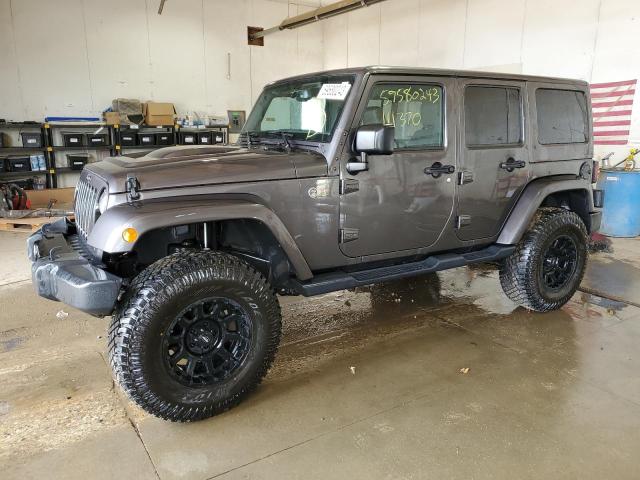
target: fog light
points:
(129, 235)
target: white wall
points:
(72, 57)
(594, 40)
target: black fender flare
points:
(531, 199)
(157, 213)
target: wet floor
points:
(435, 377)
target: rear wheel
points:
(549, 262)
(195, 333)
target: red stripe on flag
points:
(614, 84)
(616, 94)
(613, 113)
(609, 142)
(612, 104)
(610, 133)
(612, 123)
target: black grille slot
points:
(86, 205)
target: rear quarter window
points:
(562, 116)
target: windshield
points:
(305, 109)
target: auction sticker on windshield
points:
(334, 91)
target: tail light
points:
(595, 171)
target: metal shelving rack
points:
(8, 150)
(115, 147)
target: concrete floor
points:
(366, 384)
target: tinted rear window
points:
(562, 116)
(492, 116)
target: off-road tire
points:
(520, 272)
(154, 298)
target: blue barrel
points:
(621, 214)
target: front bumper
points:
(62, 273)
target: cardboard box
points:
(63, 198)
(112, 118)
(157, 114)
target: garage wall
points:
(594, 40)
(72, 57)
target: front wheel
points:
(549, 262)
(195, 333)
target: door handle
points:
(438, 169)
(511, 164)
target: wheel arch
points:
(153, 215)
(569, 193)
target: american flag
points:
(612, 103)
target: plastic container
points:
(205, 138)
(146, 139)
(164, 138)
(97, 139)
(128, 139)
(188, 138)
(20, 163)
(621, 213)
(73, 139)
(31, 139)
(77, 161)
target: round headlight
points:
(103, 201)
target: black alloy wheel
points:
(207, 341)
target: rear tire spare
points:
(194, 334)
(549, 262)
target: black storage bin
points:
(31, 139)
(146, 138)
(164, 138)
(128, 139)
(188, 138)
(97, 139)
(20, 163)
(77, 161)
(73, 139)
(205, 138)
(218, 137)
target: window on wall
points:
(562, 116)
(415, 110)
(493, 116)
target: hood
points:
(207, 165)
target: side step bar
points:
(330, 282)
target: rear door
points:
(395, 205)
(494, 155)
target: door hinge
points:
(465, 177)
(463, 221)
(348, 234)
(349, 185)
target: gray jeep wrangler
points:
(340, 179)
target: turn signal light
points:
(129, 235)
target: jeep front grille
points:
(86, 204)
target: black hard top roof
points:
(379, 69)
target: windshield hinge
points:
(132, 187)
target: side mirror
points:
(374, 139)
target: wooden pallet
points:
(27, 225)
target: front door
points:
(403, 201)
(494, 155)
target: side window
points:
(415, 110)
(492, 116)
(562, 116)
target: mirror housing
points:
(374, 139)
